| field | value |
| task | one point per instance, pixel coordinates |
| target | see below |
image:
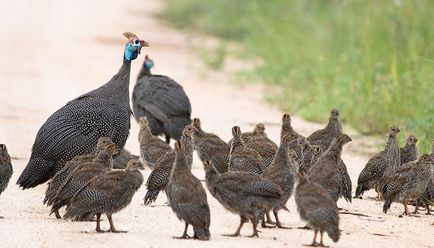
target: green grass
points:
(373, 60)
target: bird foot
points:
(100, 230)
(264, 225)
(314, 244)
(254, 235)
(304, 228)
(283, 227)
(112, 230)
(1, 217)
(232, 235)
(183, 237)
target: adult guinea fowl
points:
(163, 101)
(75, 128)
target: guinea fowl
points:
(242, 193)
(280, 173)
(160, 174)
(376, 166)
(151, 147)
(106, 193)
(308, 154)
(61, 176)
(163, 101)
(409, 152)
(102, 163)
(187, 197)
(75, 128)
(6, 169)
(330, 172)
(408, 183)
(316, 206)
(210, 147)
(242, 158)
(427, 197)
(262, 145)
(121, 161)
(326, 135)
(287, 128)
(258, 130)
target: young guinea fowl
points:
(75, 128)
(242, 193)
(210, 147)
(151, 147)
(246, 136)
(187, 197)
(61, 176)
(309, 154)
(287, 128)
(163, 101)
(121, 161)
(261, 144)
(106, 193)
(326, 135)
(408, 183)
(242, 158)
(102, 163)
(160, 174)
(280, 173)
(427, 197)
(409, 152)
(330, 172)
(372, 174)
(6, 169)
(316, 206)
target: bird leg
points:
(184, 235)
(255, 225)
(112, 226)
(98, 227)
(314, 243)
(406, 208)
(428, 212)
(237, 232)
(278, 223)
(321, 244)
(56, 212)
(264, 225)
(167, 139)
(416, 208)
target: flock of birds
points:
(79, 147)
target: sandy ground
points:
(53, 51)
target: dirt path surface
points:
(53, 51)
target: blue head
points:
(133, 46)
(148, 63)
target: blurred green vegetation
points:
(373, 60)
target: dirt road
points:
(53, 51)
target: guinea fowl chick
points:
(326, 135)
(257, 130)
(427, 197)
(104, 143)
(187, 197)
(280, 173)
(287, 128)
(106, 193)
(316, 206)
(328, 171)
(160, 174)
(242, 158)
(408, 183)
(151, 147)
(6, 169)
(309, 154)
(210, 147)
(121, 161)
(260, 143)
(372, 174)
(103, 162)
(163, 101)
(409, 152)
(242, 193)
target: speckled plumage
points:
(106, 193)
(6, 169)
(316, 206)
(121, 161)
(326, 135)
(309, 154)
(163, 101)
(409, 151)
(262, 145)
(187, 197)
(74, 129)
(257, 130)
(287, 128)
(242, 158)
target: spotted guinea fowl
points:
(262, 145)
(330, 172)
(316, 206)
(102, 163)
(210, 147)
(121, 160)
(61, 176)
(287, 128)
(163, 101)
(376, 166)
(242, 193)
(326, 135)
(6, 169)
(408, 183)
(427, 197)
(242, 158)
(187, 197)
(259, 129)
(309, 154)
(106, 193)
(75, 128)
(280, 173)
(160, 174)
(409, 151)
(151, 147)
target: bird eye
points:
(136, 41)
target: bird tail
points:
(201, 233)
(151, 196)
(359, 190)
(37, 171)
(386, 206)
